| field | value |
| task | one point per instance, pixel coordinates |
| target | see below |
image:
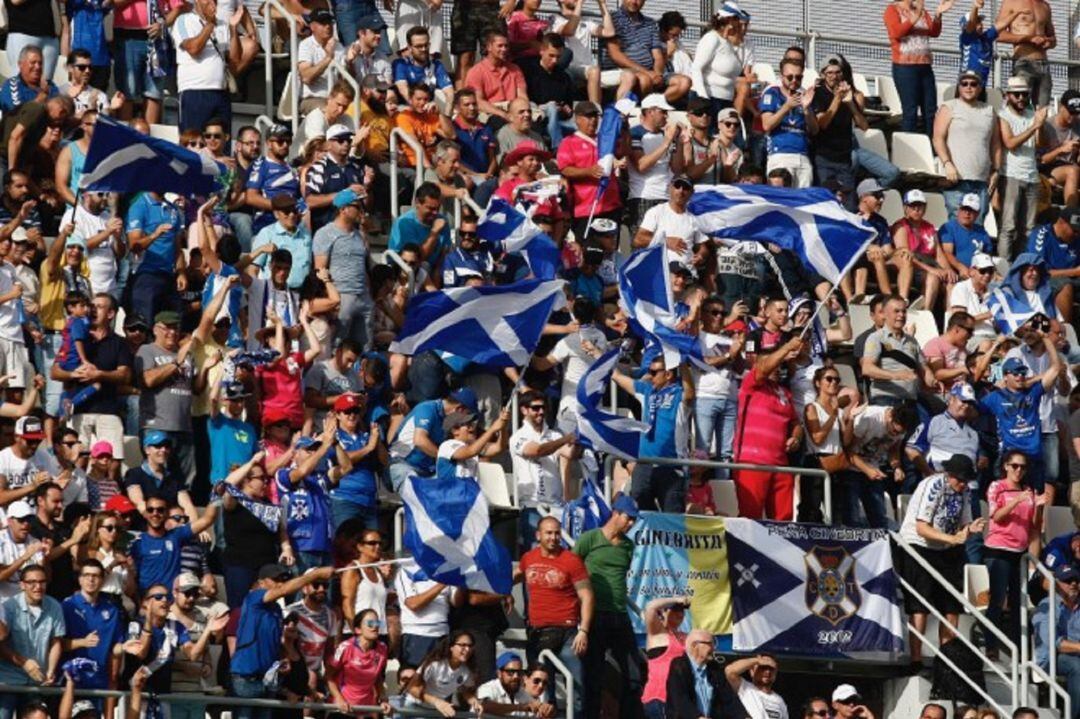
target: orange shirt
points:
(423, 127)
(911, 41)
(496, 84)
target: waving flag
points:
(505, 226)
(449, 535)
(588, 511)
(645, 296)
(810, 223)
(607, 139)
(121, 159)
(492, 326)
(809, 589)
(603, 431)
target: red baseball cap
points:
(346, 401)
(119, 503)
(737, 326)
(274, 415)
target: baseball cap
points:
(868, 187)
(167, 317)
(727, 114)
(737, 326)
(155, 438)
(346, 197)
(656, 100)
(29, 427)
(913, 197)
(625, 504)
(963, 391)
(20, 510)
(235, 390)
(584, 107)
(678, 268)
(981, 261)
(321, 15)
(845, 692)
(19, 235)
(371, 22)
(120, 504)
(135, 321)
(307, 443)
(466, 397)
(283, 202)
(75, 240)
(458, 419)
(273, 571)
(1071, 215)
(603, 226)
(698, 106)
(960, 466)
(83, 707)
(1017, 84)
(969, 75)
(731, 9)
(274, 415)
(1014, 365)
(505, 659)
(1071, 100)
(187, 581)
(683, 180)
(346, 401)
(1066, 572)
(279, 130)
(971, 201)
(338, 130)
(101, 448)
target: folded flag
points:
(508, 229)
(809, 222)
(448, 532)
(121, 159)
(600, 430)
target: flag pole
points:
(382, 563)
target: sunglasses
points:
(371, 542)
(372, 623)
(986, 271)
(213, 136)
(354, 410)
(80, 66)
(793, 78)
(156, 510)
(1016, 465)
(108, 527)
(319, 585)
(538, 682)
(182, 518)
(699, 113)
(715, 313)
(463, 233)
(729, 123)
(1019, 94)
(970, 83)
(830, 379)
(513, 672)
(160, 597)
(191, 593)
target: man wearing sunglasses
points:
(968, 142)
(271, 175)
(696, 685)
(188, 675)
(1067, 629)
(288, 233)
(537, 452)
(816, 708)
(789, 123)
(847, 703)
(505, 694)
(22, 468)
(971, 295)
(157, 551)
(18, 548)
(1021, 127)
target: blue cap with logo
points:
(625, 504)
(1014, 365)
(155, 438)
(347, 197)
(963, 392)
(466, 397)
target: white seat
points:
(892, 208)
(936, 214)
(166, 132)
(860, 82)
(133, 456)
(723, 492)
(886, 90)
(901, 506)
(976, 581)
(1059, 521)
(912, 152)
(994, 98)
(945, 91)
(284, 106)
(810, 76)
(872, 140)
(6, 70)
(860, 319)
(765, 72)
(1001, 267)
(1070, 334)
(926, 327)
(492, 479)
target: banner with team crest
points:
(812, 589)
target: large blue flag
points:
(121, 159)
(603, 431)
(810, 223)
(506, 227)
(492, 326)
(448, 532)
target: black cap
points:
(283, 202)
(678, 268)
(584, 107)
(371, 22)
(1071, 100)
(1071, 216)
(274, 571)
(279, 130)
(322, 15)
(698, 105)
(135, 321)
(960, 466)
(683, 180)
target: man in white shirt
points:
(757, 695)
(315, 56)
(653, 158)
(971, 295)
(670, 223)
(574, 352)
(103, 235)
(535, 450)
(18, 548)
(504, 694)
(425, 613)
(205, 48)
(13, 356)
(22, 468)
(458, 455)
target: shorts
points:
(469, 22)
(1057, 283)
(130, 71)
(14, 361)
(947, 562)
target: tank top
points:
(78, 159)
(832, 443)
(969, 138)
(656, 685)
(371, 595)
(922, 238)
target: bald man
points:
(518, 128)
(685, 698)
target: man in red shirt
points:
(560, 601)
(495, 79)
(578, 160)
(766, 420)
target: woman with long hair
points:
(356, 675)
(719, 60)
(824, 420)
(447, 674)
(664, 641)
(102, 544)
(365, 588)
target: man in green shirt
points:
(606, 552)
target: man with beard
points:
(188, 673)
(757, 695)
(319, 626)
(504, 694)
(47, 524)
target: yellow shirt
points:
(200, 402)
(52, 296)
(379, 139)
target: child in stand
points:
(699, 496)
(72, 352)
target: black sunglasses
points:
(182, 518)
(156, 510)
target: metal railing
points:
(716, 464)
(1028, 666)
(1012, 678)
(268, 60)
(404, 266)
(398, 135)
(570, 691)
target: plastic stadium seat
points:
(912, 152)
(1059, 521)
(284, 106)
(936, 214)
(888, 94)
(990, 223)
(6, 70)
(976, 582)
(892, 209)
(860, 318)
(872, 140)
(847, 374)
(926, 327)
(492, 478)
(723, 492)
(133, 455)
(860, 82)
(945, 91)
(765, 72)
(166, 132)
(810, 76)
(901, 506)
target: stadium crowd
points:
(205, 430)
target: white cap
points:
(656, 100)
(19, 510)
(971, 201)
(1017, 84)
(19, 235)
(914, 196)
(338, 130)
(981, 261)
(845, 691)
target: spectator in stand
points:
(155, 231)
(653, 159)
(340, 169)
(876, 450)
(606, 552)
(495, 79)
(963, 236)
(1066, 630)
(424, 123)
(757, 695)
(319, 625)
(837, 107)
(1021, 128)
(316, 55)
(270, 176)
(672, 224)
(18, 549)
(290, 234)
(415, 444)
(425, 612)
(341, 247)
(951, 432)
(664, 642)
(696, 685)
(579, 34)
(967, 140)
(189, 676)
(638, 48)
(475, 139)
(720, 61)
(303, 491)
(423, 225)
(371, 58)
(506, 695)
(418, 67)
(789, 122)
(892, 359)
(93, 626)
(356, 492)
(946, 355)
(524, 28)
(446, 680)
(1059, 145)
(1025, 293)
(1030, 30)
(33, 627)
(208, 49)
(551, 87)
(910, 26)
(1057, 245)
(977, 43)
(971, 295)
(156, 553)
(917, 252)
(356, 675)
(847, 703)
(32, 83)
(536, 452)
(870, 196)
(103, 545)
(578, 161)
(937, 524)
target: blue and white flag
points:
(491, 326)
(1010, 312)
(588, 511)
(121, 159)
(603, 431)
(646, 298)
(809, 222)
(449, 535)
(506, 227)
(812, 589)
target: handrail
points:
(549, 656)
(268, 48)
(679, 462)
(262, 120)
(979, 617)
(396, 135)
(1027, 661)
(405, 267)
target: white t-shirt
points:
(537, 478)
(494, 691)
(10, 551)
(935, 503)
(581, 42)
(206, 71)
(664, 222)
(575, 360)
(872, 434)
(9, 315)
(431, 620)
(964, 295)
(312, 52)
(442, 681)
(19, 472)
(721, 382)
(760, 704)
(315, 125)
(101, 259)
(467, 469)
(653, 183)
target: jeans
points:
(1004, 569)
(663, 487)
(875, 165)
(311, 560)
(250, 688)
(130, 71)
(918, 91)
(150, 293)
(241, 224)
(197, 107)
(843, 172)
(714, 421)
(186, 710)
(238, 581)
(654, 709)
(343, 509)
(354, 318)
(350, 13)
(50, 51)
(955, 194)
(557, 127)
(414, 648)
(1019, 209)
(869, 495)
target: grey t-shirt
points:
(324, 378)
(347, 253)
(168, 406)
(509, 138)
(894, 354)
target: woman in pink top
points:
(910, 26)
(525, 29)
(663, 642)
(355, 676)
(917, 254)
(1014, 516)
